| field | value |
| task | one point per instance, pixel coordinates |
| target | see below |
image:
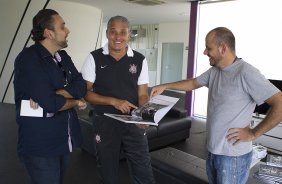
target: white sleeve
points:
(144, 75)
(88, 69)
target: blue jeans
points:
(45, 170)
(228, 169)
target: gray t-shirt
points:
(233, 94)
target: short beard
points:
(63, 44)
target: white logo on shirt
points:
(132, 68)
(98, 138)
(104, 66)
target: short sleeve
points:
(203, 79)
(88, 69)
(258, 86)
(144, 75)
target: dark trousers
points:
(112, 137)
(45, 170)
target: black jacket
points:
(38, 77)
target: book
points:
(274, 160)
(150, 113)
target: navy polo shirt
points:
(117, 79)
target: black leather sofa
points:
(174, 127)
(171, 165)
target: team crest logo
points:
(98, 138)
(132, 68)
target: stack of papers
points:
(271, 172)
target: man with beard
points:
(235, 87)
(46, 77)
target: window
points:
(258, 33)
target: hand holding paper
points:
(28, 108)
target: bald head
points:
(223, 35)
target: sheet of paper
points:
(168, 101)
(26, 110)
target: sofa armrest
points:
(176, 112)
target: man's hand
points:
(33, 104)
(82, 104)
(237, 135)
(123, 105)
(156, 90)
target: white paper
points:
(26, 110)
(259, 152)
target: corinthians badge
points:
(132, 68)
(98, 138)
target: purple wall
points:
(191, 54)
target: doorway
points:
(172, 62)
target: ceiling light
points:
(213, 1)
(146, 2)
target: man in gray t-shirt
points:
(235, 87)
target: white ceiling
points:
(170, 11)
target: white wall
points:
(173, 32)
(82, 20)
(84, 23)
(104, 36)
(8, 6)
(11, 14)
